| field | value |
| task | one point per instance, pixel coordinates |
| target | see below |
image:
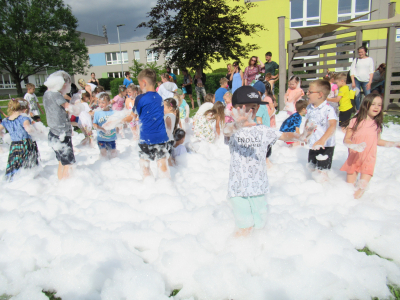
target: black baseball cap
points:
(245, 95)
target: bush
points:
(42, 89)
(116, 82)
(105, 82)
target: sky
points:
(92, 15)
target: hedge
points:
(105, 82)
(115, 83)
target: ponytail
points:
(177, 118)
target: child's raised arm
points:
(240, 119)
(294, 136)
(336, 99)
(384, 143)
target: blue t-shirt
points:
(219, 95)
(182, 110)
(173, 76)
(150, 108)
(16, 128)
(127, 82)
(290, 124)
(100, 117)
(263, 114)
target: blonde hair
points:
(81, 81)
(217, 111)
(17, 104)
(132, 87)
(167, 76)
(209, 98)
(223, 80)
(30, 86)
(227, 94)
(105, 96)
(149, 75)
(121, 89)
(341, 76)
(323, 86)
(98, 89)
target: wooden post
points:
(282, 62)
(290, 59)
(359, 39)
(390, 52)
(392, 9)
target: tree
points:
(137, 67)
(36, 35)
(197, 33)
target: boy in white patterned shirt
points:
(248, 144)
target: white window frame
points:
(118, 60)
(9, 85)
(113, 74)
(154, 55)
(134, 55)
(353, 13)
(305, 19)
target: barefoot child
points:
(322, 141)
(34, 107)
(59, 84)
(362, 138)
(292, 124)
(153, 144)
(105, 138)
(23, 151)
(293, 94)
(248, 180)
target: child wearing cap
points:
(248, 144)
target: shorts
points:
(155, 151)
(188, 89)
(63, 149)
(344, 117)
(321, 164)
(250, 211)
(110, 145)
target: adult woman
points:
(168, 87)
(127, 80)
(187, 84)
(361, 72)
(228, 75)
(93, 79)
(378, 80)
(252, 70)
(236, 77)
(200, 83)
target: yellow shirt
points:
(345, 102)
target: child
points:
(219, 94)
(153, 143)
(293, 94)
(268, 78)
(133, 92)
(105, 138)
(158, 85)
(269, 98)
(322, 142)
(59, 84)
(23, 151)
(344, 99)
(85, 121)
(228, 107)
(207, 127)
(179, 148)
(171, 117)
(184, 110)
(362, 138)
(208, 104)
(118, 103)
(33, 101)
(331, 77)
(292, 124)
(248, 180)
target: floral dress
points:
(204, 128)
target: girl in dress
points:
(293, 94)
(236, 77)
(171, 119)
(269, 97)
(118, 103)
(207, 126)
(85, 121)
(252, 70)
(362, 137)
(23, 151)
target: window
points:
(136, 55)
(39, 80)
(115, 74)
(304, 13)
(6, 81)
(151, 55)
(114, 58)
(349, 9)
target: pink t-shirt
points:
(228, 119)
(119, 103)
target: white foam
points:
(105, 234)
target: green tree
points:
(136, 68)
(36, 35)
(197, 33)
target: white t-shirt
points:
(170, 132)
(164, 90)
(361, 68)
(320, 116)
(178, 150)
(248, 168)
(33, 103)
(92, 86)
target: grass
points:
(391, 119)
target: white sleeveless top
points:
(170, 132)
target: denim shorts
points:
(110, 145)
(250, 211)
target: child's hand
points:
(393, 144)
(243, 118)
(318, 145)
(308, 130)
(357, 147)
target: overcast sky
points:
(93, 14)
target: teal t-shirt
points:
(182, 110)
(263, 114)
